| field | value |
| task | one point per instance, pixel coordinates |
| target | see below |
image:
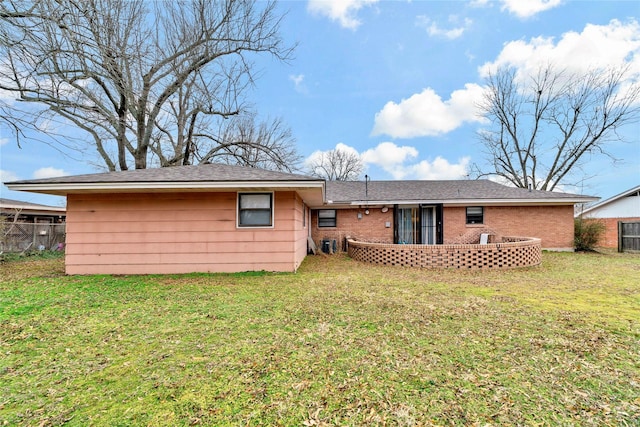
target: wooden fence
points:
(628, 236)
(24, 236)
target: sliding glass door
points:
(417, 225)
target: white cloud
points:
(388, 155)
(395, 161)
(48, 172)
(426, 114)
(440, 168)
(528, 8)
(4, 141)
(298, 83)
(343, 11)
(597, 46)
(435, 30)
(8, 176)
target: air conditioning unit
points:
(329, 246)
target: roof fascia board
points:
(467, 202)
(34, 209)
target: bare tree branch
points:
(542, 129)
(337, 165)
(136, 75)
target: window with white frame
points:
(327, 218)
(255, 209)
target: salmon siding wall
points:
(301, 230)
(552, 224)
(177, 233)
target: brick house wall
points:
(610, 237)
(552, 224)
(371, 228)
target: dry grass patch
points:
(338, 343)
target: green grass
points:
(338, 343)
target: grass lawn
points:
(338, 343)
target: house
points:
(623, 207)
(29, 226)
(31, 212)
(223, 218)
(444, 212)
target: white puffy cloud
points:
(3, 141)
(388, 155)
(397, 162)
(426, 114)
(343, 11)
(439, 168)
(597, 46)
(8, 176)
(457, 30)
(48, 172)
(528, 8)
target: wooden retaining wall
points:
(512, 252)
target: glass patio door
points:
(416, 225)
(429, 225)
(407, 223)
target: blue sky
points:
(397, 81)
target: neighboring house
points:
(31, 212)
(222, 218)
(30, 226)
(623, 207)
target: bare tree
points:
(138, 77)
(544, 127)
(241, 140)
(337, 165)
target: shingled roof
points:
(463, 191)
(316, 192)
(194, 173)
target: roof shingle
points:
(433, 191)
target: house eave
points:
(465, 202)
(609, 200)
(62, 189)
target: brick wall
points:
(370, 228)
(610, 238)
(552, 224)
(515, 252)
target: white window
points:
(255, 209)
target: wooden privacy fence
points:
(512, 252)
(23, 236)
(628, 236)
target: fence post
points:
(620, 231)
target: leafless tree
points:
(337, 165)
(542, 128)
(245, 141)
(140, 78)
